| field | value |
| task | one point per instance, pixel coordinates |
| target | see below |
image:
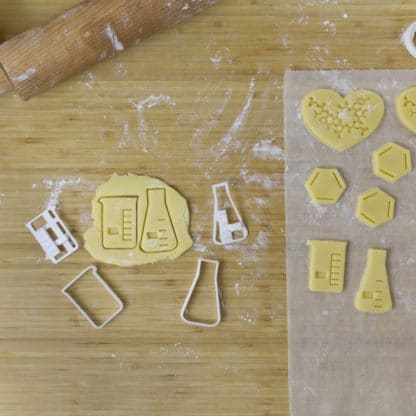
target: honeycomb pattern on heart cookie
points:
(346, 118)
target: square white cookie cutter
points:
(221, 227)
(105, 285)
(191, 291)
(53, 235)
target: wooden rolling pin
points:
(93, 31)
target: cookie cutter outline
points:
(408, 39)
(220, 218)
(113, 294)
(191, 291)
(46, 241)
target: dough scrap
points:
(341, 123)
(137, 220)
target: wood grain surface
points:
(195, 105)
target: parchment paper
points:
(341, 361)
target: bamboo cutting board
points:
(210, 93)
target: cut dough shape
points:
(341, 123)
(375, 207)
(406, 108)
(327, 266)
(392, 162)
(137, 220)
(374, 293)
(325, 186)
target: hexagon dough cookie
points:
(375, 207)
(406, 108)
(341, 123)
(137, 220)
(391, 162)
(325, 186)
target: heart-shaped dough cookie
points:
(339, 122)
(406, 108)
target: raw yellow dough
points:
(391, 162)
(339, 122)
(327, 266)
(406, 108)
(137, 220)
(375, 207)
(374, 294)
(325, 186)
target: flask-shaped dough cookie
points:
(158, 232)
(374, 294)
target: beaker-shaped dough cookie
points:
(374, 294)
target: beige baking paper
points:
(343, 362)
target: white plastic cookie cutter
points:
(408, 39)
(191, 291)
(53, 235)
(224, 232)
(84, 313)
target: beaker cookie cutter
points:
(222, 228)
(84, 313)
(53, 235)
(191, 291)
(408, 39)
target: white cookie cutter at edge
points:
(408, 39)
(191, 291)
(106, 286)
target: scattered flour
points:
(330, 27)
(247, 318)
(117, 45)
(268, 182)
(55, 186)
(89, 79)
(212, 121)
(144, 133)
(267, 150)
(229, 142)
(26, 75)
(181, 350)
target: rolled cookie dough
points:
(137, 220)
(342, 122)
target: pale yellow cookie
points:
(137, 220)
(327, 266)
(325, 185)
(374, 293)
(375, 207)
(341, 123)
(406, 108)
(392, 162)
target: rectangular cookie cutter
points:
(94, 271)
(222, 228)
(53, 235)
(191, 291)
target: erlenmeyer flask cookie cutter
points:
(191, 291)
(221, 227)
